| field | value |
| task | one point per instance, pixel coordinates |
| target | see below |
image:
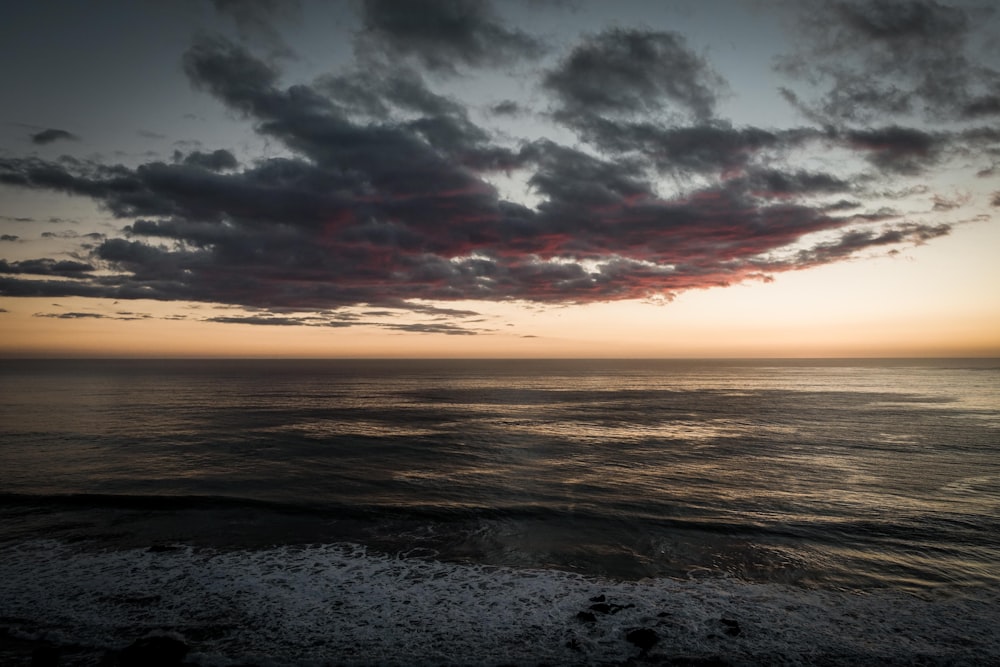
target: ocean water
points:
(506, 512)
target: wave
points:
(346, 605)
(914, 528)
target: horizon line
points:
(4, 357)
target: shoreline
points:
(339, 605)
(170, 649)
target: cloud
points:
(384, 196)
(447, 329)
(272, 320)
(773, 183)
(442, 36)
(9, 237)
(850, 243)
(122, 316)
(344, 320)
(230, 73)
(942, 203)
(218, 160)
(400, 97)
(506, 108)
(702, 148)
(130, 316)
(569, 177)
(46, 267)
(629, 72)
(70, 234)
(73, 316)
(50, 135)
(428, 309)
(911, 57)
(897, 149)
(255, 20)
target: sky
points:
(528, 178)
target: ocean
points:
(570, 512)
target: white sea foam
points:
(343, 604)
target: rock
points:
(158, 651)
(691, 661)
(599, 598)
(586, 617)
(644, 638)
(732, 627)
(601, 608)
(162, 548)
(45, 656)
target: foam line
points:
(344, 604)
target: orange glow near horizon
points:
(691, 327)
(890, 307)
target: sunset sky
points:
(526, 178)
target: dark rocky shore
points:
(166, 651)
(649, 647)
(153, 651)
(170, 649)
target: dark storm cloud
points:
(230, 73)
(696, 148)
(894, 57)
(442, 35)
(218, 160)
(627, 72)
(316, 126)
(985, 105)
(46, 267)
(772, 183)
(50, 135)
(384, 196)
(378, 92)
(272, 190)
(506, 108)
(842, 205)
(568, 177)
(393, 97)
(896, 149)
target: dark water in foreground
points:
(387, 512)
